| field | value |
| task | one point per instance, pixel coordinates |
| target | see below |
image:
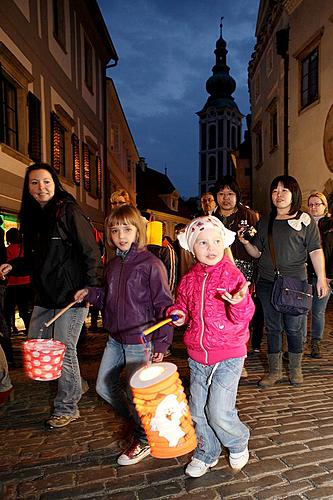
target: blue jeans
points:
(318, 312)
(66, 329)
(213, 408)
(276, 323)
(115, 358)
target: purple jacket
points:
(135, 296)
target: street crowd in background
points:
(216, 277)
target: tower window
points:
(212, 137)
(212, 168)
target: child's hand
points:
(157, 357)
(237, 297)
(81, 294)
(5, 269)
(181, 317)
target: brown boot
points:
(315, 350)
(275, 370)
(295, 368)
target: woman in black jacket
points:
(61, 253)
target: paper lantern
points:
(161, 403)
(154, 233)
(43, 358)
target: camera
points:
(247, 231)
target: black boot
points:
(315, 351)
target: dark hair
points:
(30, 209)
(290, 183)
(13, 235)
(231, 183)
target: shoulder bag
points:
(289, 295)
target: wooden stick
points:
(60, 313)
(158, 325)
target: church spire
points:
(220, 85)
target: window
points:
(256, 87)
(273, 125)
(233, 137)
(203, 172)
(88, 64)
(76, 160)
(211, 168)
(309, 78)
(257, 131)
(203, 136)
(34, 146)
(92, 171)
(269, 61)
(212, 137)
(59, 31)
(58, 145)
(220, 133)
(8, 112)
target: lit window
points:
(58, 145)
(76, 160)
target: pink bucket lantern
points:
(43, 358)
(161, 403)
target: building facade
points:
(220, 123)
(122, 154)
(290, 82)
(53, 58)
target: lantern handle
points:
(151, 329)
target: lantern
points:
(161, 403)
(154, 233)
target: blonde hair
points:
(321, 196)
(129, 215)
(120, 193)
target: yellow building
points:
(290, 80)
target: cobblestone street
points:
(291, 445)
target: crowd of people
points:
(217, 279)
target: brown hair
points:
(126, 214)
(321, 196)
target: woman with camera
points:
(294, 236)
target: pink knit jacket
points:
(216, 330)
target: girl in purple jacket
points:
(135, 296)
(213, 299)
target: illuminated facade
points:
(53, 61)
(290, 81)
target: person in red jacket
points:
(213, 299)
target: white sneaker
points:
(197, 468)
(238, 460)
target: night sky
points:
(166, 53)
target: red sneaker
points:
(134, 453)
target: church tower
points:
(220, 122)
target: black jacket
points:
(325, 225)
(61, 264)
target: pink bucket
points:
(43, 358)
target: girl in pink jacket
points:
(213, 300)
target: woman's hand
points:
(181, 317)
(5, 269)
(157, 357)
(237, 297)
(81, 294)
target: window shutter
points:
(86, 166)
(76, 160)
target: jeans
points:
(276, 323)
(115, 358)
(318, 312)
(66, 329)
(213, 396)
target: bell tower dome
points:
(220, 122)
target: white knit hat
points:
(188, 237)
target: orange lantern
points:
(161, 403)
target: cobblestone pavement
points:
(291, 445)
